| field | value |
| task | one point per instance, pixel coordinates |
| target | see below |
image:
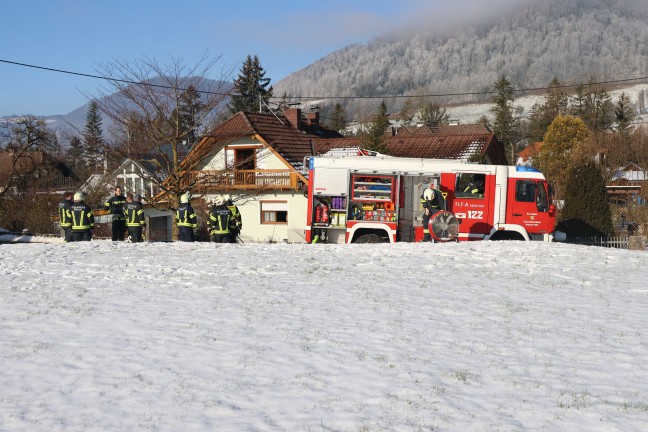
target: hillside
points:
(607, 39)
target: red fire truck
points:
(362, 199)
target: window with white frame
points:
(274, 212)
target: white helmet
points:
(226, 198)
(78, 196)
(184, 199)
(428, 194)
(220, 200)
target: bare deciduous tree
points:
(27, 138)
(159, 109)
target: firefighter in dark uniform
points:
(475, 189)
(134, 214)
(82, 219)
(64, 219)
(115, 206)
(236, 223)
(220, 222)
(186, 218)
(432, 202)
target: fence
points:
(609, 242)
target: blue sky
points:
(79, 35)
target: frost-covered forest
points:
(573, 41)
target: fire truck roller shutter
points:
(444, 226)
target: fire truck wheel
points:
(371, 238)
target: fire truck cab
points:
(361, 199)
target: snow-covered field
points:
(471, 113)
(489, 336)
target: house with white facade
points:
(258, 159)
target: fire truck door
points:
(522, 204)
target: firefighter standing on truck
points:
(64, 219)
(236, 223)
(135, 221)
(220, 221)
(432, 202)
(186, 219)
(82, 219)
(115, 206)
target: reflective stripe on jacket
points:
(82, 217)
(134, 214)
(220, 220)
(235, 221)
(64, 217)
(185, 216)
(115, 205)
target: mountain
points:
(73, 123)
(530, 43)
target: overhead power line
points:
(106, 78)
(522, 90)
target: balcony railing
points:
(248, 180)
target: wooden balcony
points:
(245, 180)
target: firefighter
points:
(476, 187)
(134, 215)
(236, 223)
(82, 219)
(186, 219)
(432, 202)
(115, 206)
(220, 222)
(64, 219)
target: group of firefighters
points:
(224, 222)
(77, 220)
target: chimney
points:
(293, 115)
(313, 118)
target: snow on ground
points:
(267, 337)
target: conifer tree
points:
(93, 141)
(75, 153)
(338, 118)
(374, 138)
(586, 211)
(593, 104)
(556, 102)
(433, 115)
(485, 121)
(190, 108)
(407, 112)
(251, 87)
(505, 125)
(624, 115)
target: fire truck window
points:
(525, 191)
(541, 200)
(470, 185)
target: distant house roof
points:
(631, 173)
(529, 152)
(466, 129)
(294, 138)
(429, 146)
